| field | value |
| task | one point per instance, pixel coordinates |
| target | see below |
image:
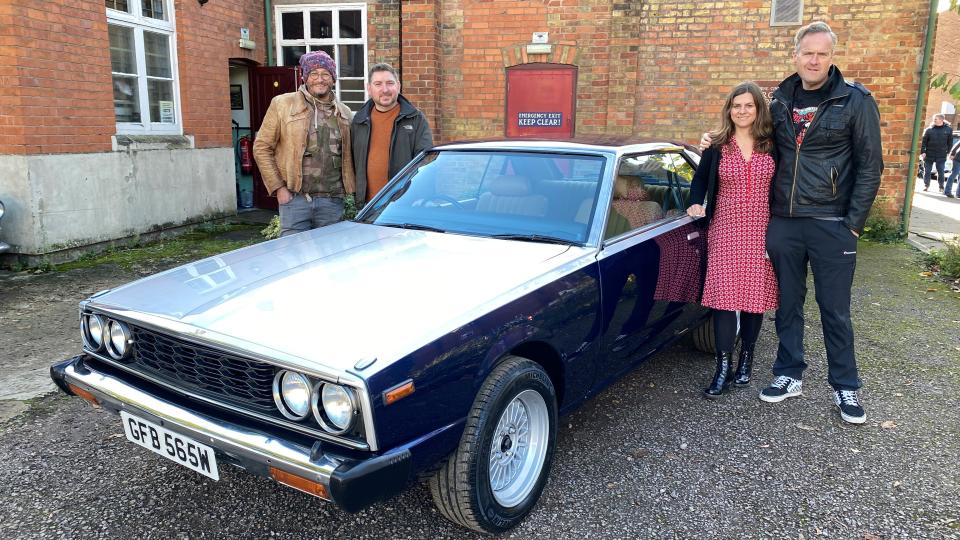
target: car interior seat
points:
(511, 194)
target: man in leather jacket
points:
(829, 163)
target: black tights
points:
(725, 328)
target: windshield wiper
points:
(535, 238)
(412, 226)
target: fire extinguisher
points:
(246, 160)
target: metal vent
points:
(786, 12)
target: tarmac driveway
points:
(648, 458)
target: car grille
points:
(204, 370)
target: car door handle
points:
(693, 236)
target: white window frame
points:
(139, 23)
(313, 44)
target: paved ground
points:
(648, 458)
(934, 218)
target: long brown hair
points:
(762, 128)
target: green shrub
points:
(950, 267)
(882, 230)
(272, 230)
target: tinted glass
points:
(291, 25)
(648, 188)
(122, 59)
(119, 5)
(321, 25)
(160, 94)
(350, 24)
(157, 51)
(291, 55)
(154, 9)
(351, 61)
(489, 193)
(126, 105)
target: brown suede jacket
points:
(282, 139)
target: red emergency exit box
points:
(541, 101)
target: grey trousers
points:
(300, 215)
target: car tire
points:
(703, 337)
(485, 485)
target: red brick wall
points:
(57, 92)
(55, 76)
(661, 67)
(946, 59)
(207, 38)
(420, 60)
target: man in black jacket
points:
(934, 148)
(387, 132)
(829, 162)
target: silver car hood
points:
(328, 298)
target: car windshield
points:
(534, 196)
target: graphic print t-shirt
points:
(805, 104)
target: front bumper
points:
(352, 484)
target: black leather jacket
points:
(836, 171)
(411, 135)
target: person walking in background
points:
(388, 131)
(303, 149)
(954, 171)
(937, 139)
(731, 189)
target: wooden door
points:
(541, 101)
(265, 83)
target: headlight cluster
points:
(100, 333)
(334, 406)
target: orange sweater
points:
(378, 157)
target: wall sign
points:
(539, 119)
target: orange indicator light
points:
(298, 482)
(396, 394)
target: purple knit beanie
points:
(317, 59)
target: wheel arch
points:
(548, 358)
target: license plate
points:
(173, 446)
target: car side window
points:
(649, 187)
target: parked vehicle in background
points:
(4, 247)
(486, 289)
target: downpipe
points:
(918, 117)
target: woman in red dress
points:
(731, 189)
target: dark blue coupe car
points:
(489, 288)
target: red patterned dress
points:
(739, 275)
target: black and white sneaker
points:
(850, 408)
(781, 388)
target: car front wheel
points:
(495, 477)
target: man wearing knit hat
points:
(303, 149)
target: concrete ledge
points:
(136, 143)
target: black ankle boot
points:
(723, 376)
(745, 367)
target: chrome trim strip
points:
(253, 445)
(632, 238)
(296, 427)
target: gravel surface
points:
(647, 458)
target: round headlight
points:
(120, 340)
(338, 408)
(93, 326)
(292, 393)
(1, 210)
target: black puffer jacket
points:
(836, 171)
(411, 135)
(936, 142)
